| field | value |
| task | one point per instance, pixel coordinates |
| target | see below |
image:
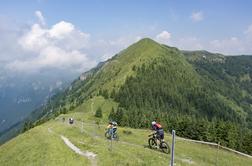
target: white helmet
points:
(153, 123)
(114, 123)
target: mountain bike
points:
(108, 135)
(153, 143)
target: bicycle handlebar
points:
(152, 134)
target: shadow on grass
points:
(155, 149)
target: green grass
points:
(38, 146)
(115, 71)
(120, 67)
(90, 106)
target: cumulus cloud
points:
(61, 29)
(227, 46)
(53, 57)
(186, 43)
(40, 17)
(232, 45)
(63, 46)
(197, 16)
(60, 46)
(163, 37)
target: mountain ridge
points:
(152, 81)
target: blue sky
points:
(119, 17)
(107, 26)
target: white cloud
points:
(163, 37)
(54, 57)
(61, 29)
(229, 46)
(63, 46)
(187, 43)
(197, 16)
(60, 46)
(40, 17)
(232, 45)
(35, 39)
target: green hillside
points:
(231, 74)
(203, 96)
(189, 92)
(43, 144)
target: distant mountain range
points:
(21, 94)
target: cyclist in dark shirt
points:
(158, 130)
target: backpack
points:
(158, 125)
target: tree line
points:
(182, 100)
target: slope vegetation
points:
(43, 145)
(201, 95)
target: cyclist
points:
(109, 128)
(114, 128)
(71, 120)
(158, 130)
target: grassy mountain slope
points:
(42, 145)
(113, 73)
(148, 81)
(106, 79)
(199, 101)
(172, 84)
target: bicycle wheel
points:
(107, 135)
(152, 143)
(116, 137)
(165, 147)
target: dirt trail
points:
(90, 155)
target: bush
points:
(98, 113)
